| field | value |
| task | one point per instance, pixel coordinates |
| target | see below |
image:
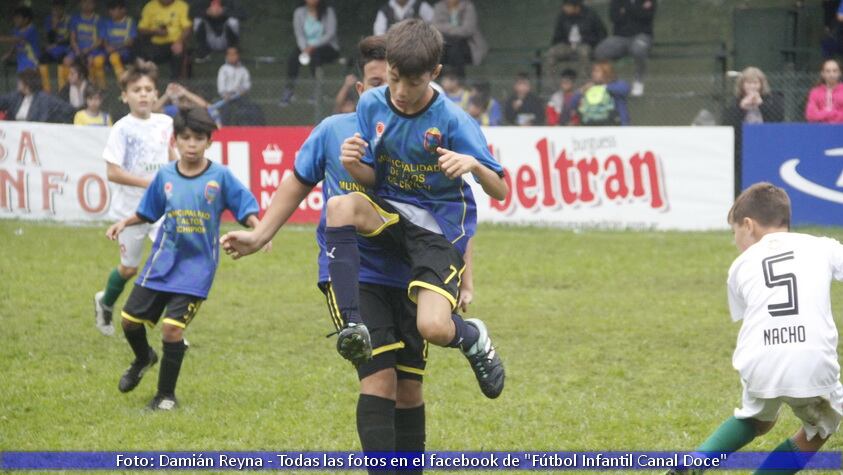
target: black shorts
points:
(147, 305)
(435, 263)
(391, 320)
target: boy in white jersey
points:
(787, 346)
(138, 145)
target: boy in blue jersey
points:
(421, 146)
(118, 34)
(26, 46)
(57, 26)
(191, 194)
(85, 40)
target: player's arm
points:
(351, 155)
(115, 229)
(455, 165)
(467, 282)
(116, 174)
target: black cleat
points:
(163, 403)
(354, 343)
(484, 360)
(133, 375)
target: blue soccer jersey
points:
(87, 30)
(28, 49)
(118, 34)
(402, 148)
(60, 32)
(318, 160)
(185, 254)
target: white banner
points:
(50, 171)
(613, 177)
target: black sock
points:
(344, 268)
(170, 366)
(465, 334)
(410, 432)
(137, 340)
(376, 424)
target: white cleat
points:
(102, 315)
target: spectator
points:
(77, 83)
(32, 104)
(164, 27)
(603, 100)
(633, 35)
(315, 25)
(24, 40)
(233, 79)
(57, 26)
(119, 31)
(85, 41)
(832, 41)
(344, 101)
(464, 44)
(92, 114)
(578, 30)
(398, 10)
(477, 108)
(825, 101)
(177, 96)
(754, 102)
(559, 104)
(216, 26)
(491, 111)
(523, 108)
(454, 90)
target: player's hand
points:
(455, 165)
(353, 149)
(240, 243)
(114, 230)
(350, 80)
(267, 247)
(466, 297)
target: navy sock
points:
(168, 374)
(410, 433)
(344, 269)
(376, 424)
(465, 335)
(137, 340)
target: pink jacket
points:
(815, 109)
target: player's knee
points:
(381, 384)
(340, 211)
(130, 326)
(435, 330)
(762, 427)
(171, 333)
(127, 272)
(409, 394)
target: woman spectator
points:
(315, 25)
(754, 102)
(30, 103)
(74, 89)
(603, 100)
(464, 44)
(825, 101)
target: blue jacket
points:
(45, 107)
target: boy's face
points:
(743, 234)
(140, 96)
(474, 110)
(232, 56)
(374, 75)
(87, 6)
(407, 92)
(450, 84)
(522, 87)
(192, 145)
(117, 13)
(19, 21)
(566, 84)
(94, 103)
(57, 11)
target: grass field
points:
(611, 340)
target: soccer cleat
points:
(484, 360)
(354, 343)
(163, 403)
(102, 315)
(133, 375)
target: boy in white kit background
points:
(138, 145)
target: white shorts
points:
(820, 415)
(131, 242)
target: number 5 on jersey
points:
(791, 307)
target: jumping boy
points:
(190, 194)
(421, 145)
(138, 145)
(787, 347)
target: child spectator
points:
(394, 11)
(578, 30)
(603, 100)
(233, 79)
(315, 26)
(464, 43)
(559, 104)
(523, 107)
(164, 27)
(177, 97)
(92, 114)
(754, 102)
(454, 90)
(73, 91)
(825, 101)
(25, 43)
(633, 36)
(216, 27)
(86, 42)
(57, 26)
(492, 113)
(345, 100)
(119, 32)
(476, 108)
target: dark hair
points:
(31, 78)
(321, 8)
(24, 12)
(92, 91)
(575, 3)
(478, 101)
(413, 47)
(196, 119)
(569, 74)
(522, 76)
(137, 70)
(112, 4)
(763, 202)
(58, 3)
(448, 72)
(483, 88)
(372, 48)
(81, 66)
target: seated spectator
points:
(233, 79)
(491, 113)
(398, 10)
(30, 103)
(464, 43)
(578, 30)
(77, 83)
(57, 26)
(477, 108)
(164, 28)
(345, 101)
(523, 108)
(92, 114)
(315, 26)
(603, 100)
(754, 102)
(25, 43)
(85, 41)
(632, 35)
(119, 32)
(177, 96)
(454, 90)
(825, 101)
(216, 26)
(559, 104)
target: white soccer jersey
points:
(141, 147)
(780, 287)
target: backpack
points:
(597, 107)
